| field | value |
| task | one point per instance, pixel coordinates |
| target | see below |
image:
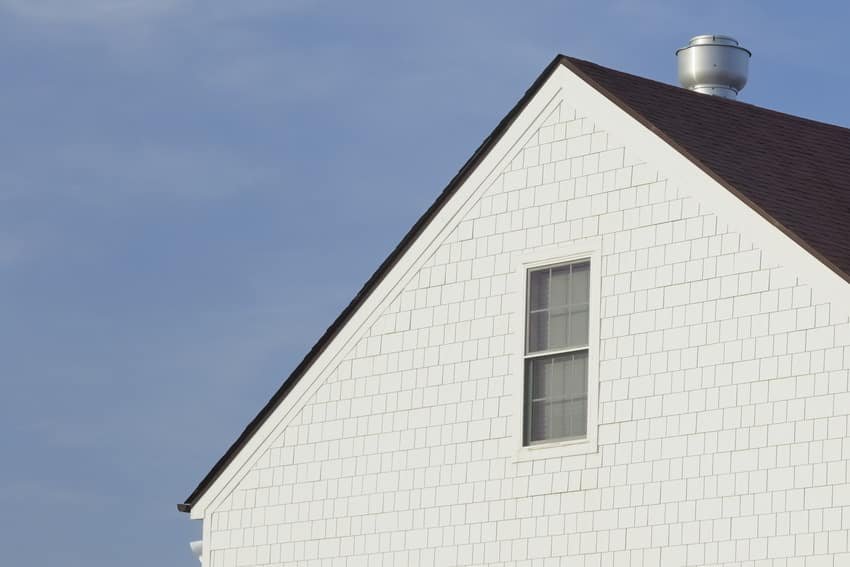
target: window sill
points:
(555, 449)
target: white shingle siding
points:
(723, 399)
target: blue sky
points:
(190, 191)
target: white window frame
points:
(551, 256)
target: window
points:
(555, 373)
(557, 353)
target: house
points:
(620, 336)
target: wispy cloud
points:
(12, 250)
(290, 75)
(108, 12)
(95, 12)
(34, 492)
(69, 434)
(228, 9)
(189, 172)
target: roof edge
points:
(324, 341)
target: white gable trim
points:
(515, 137)
(696, 183)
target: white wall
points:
(723, 399)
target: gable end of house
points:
(611, 85)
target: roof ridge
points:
(718, 99)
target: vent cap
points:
(713, 64)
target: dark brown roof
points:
(793, 171)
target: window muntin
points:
(556, 353)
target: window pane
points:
(538, 289)
(559, 286)
(576, 376)
(539, 382)
(557, 367)
(538, 331)
(575, 423)
(579, 372)
(578, 326)
(556, 397)
(539, 423)
(558, 324)
(580, 283)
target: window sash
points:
(572, 407)
(570, 305)
(563, 386)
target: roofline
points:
(370, 285)
(402, 247)
(567, 62)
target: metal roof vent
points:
(713, 64)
